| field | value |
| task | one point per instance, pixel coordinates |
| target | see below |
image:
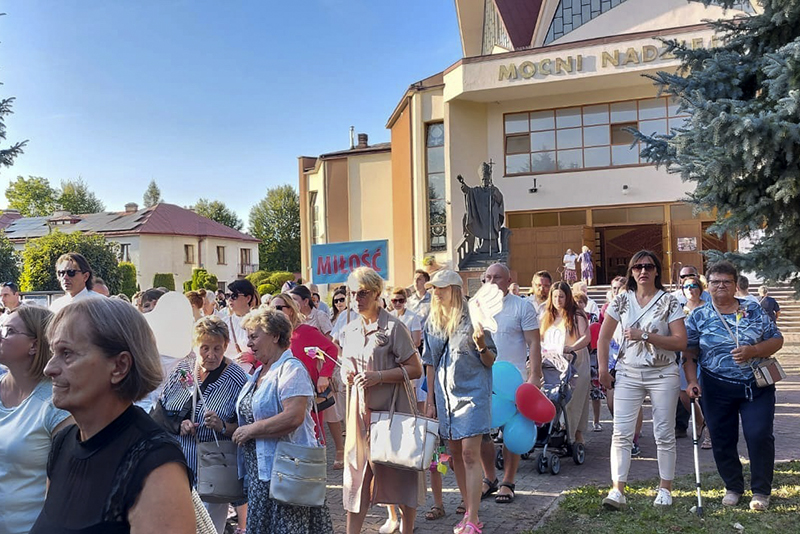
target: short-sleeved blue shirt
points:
(705, 331)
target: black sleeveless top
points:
(94, 484)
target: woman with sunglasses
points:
(242, 297)
(339, 303)
(653, 330)
(692, 289)
(28, 419)
(319, 367)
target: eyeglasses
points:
(717, 283)
(644, 267)
(280, 307)
(687, 275)
(69, 272)
(691, 286)
(6, 332)
(338, 300)
(362, 294)
(398, 301)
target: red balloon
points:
(534, 405)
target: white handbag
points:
(404, 441)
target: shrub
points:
(259, 277)
(201, 279)
(164, 280)
(264, 289)
(187, 286)
(127, 278)
(279, 278)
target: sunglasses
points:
(69, 272)
(338, 300)
(362, 294)
(686, 276)
(691, 286)
(398, 301)
(232, 296)
(280, 307)
(644, 267)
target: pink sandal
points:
(471, 528)
(462, 526)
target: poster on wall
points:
(333, 262)
(687, 244)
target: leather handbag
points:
(325, 399)
(403, 441)
(768, 372)
(299, 472)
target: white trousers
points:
(632, 385)
(218, 513)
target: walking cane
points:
(696, 460)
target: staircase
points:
(788, 322)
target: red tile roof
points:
(169, 219)
(519, 17)
(7, 217)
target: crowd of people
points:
(102, 433)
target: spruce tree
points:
(152, 195)
(741, 145)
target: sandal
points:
(436, 512)
(471, 528)
(461, 509)
(492, 488)
(338, 463)
(502, 498)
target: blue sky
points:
(210, 99)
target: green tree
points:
(75, 197)
(9, 260)
(218, 211)
(39, 259)
(127, 278)
(741, 143)
(164, 280)
(8, 155)
(201, 279)
(275, 220)
(152, 195)
(33, 197)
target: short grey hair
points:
(210, 325)
(366, 278)
(272, 322)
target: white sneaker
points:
(663, 498)
(389, 527)
(615, 500)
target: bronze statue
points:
(485, 213)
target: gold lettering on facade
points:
(649, 53)
(579, 62)
(610, 59)
(564, 66)
(697, 42)
(545, 66)
(631, 57)
(508, 72)
(527, 69)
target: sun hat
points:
(444, 278)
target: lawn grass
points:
(581, 510)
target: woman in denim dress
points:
(460, 367)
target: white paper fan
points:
(483, 307)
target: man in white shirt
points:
(75, 275)
(541, 289)
(419, 299)
(516, 341)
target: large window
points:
(188, 253)
(434, 167)
(584, 137)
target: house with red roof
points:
(164, 238)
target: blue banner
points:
(332, 263)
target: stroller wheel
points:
(499, 463)
(541, 464)
(579, 453)
(555, 464)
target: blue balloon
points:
(506, 378)
(519, 434)
(502, 411)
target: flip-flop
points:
(502, 498)
(492, 488)
(436, 512)
(461, 509)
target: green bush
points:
(164, 280)
(127, 278)
(259, 277)
(278, 278)
(264, 289)
(40, 255)
(201, 279)
(187, 286)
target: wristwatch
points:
(645, 336)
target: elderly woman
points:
(275, 405)
(459, 364)
(726, 339)
(374, 348)
(116, 470)
(652, 328)
(214, 416)
(28, 419)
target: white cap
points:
(444, 278)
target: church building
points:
(544, 94)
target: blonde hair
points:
(272, 322)
(400, 291)
(444, 321)
(115, 326)
(580, 297)
(366, 278)
(36, 321)
(210, 325)
(297, 316)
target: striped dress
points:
(220, 396)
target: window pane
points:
(570, 159)
(649, 127)
(672, 107)
(517, 144)
(571, 218)
(619, 134)
(654, 108)
(543, 162)
(542, 120)
(595, 115)
(543, 140)
(547, 218)
(436, 209)
(517, 123)
(597, 157)
(570, 138)
(622, 155)
(436, 134)
(623, 112)
(568, 117)
(436, 159)
(679, 122)
(436, 186)
(596, 135)
(518, 164)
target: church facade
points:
(545, 94)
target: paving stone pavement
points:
(535, 492)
